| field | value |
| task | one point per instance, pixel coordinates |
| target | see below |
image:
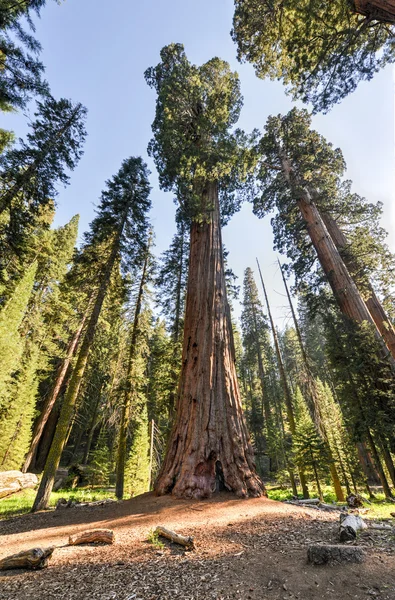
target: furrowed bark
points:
(372, 302)
(284, 382)
(346, 293)
(209, 447)
(71, 396)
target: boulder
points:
(14, 481)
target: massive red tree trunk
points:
(209, 447)
(373, 304)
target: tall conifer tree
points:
(198, 156)
(117, 235)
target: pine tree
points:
(160, 377)
(11, 317)
(198, 156)
(320, 50)
(21, 71)
(313, 394)
(171, 282)
(118, 233)
(137, 466)
(309, 450)
(256, 344)
(98, 473)
(39, 329)
(30, 172)
(287, 393)
(130, 384)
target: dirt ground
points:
(245, 549)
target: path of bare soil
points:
(246, 549)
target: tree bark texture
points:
(36, 558)
(372, 302)
(92, 536)
(209, 447)
(346, 293)
(319, 554)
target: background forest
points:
(92, 314)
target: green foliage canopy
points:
(320, 50)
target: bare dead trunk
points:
(372, 302)
(209, 447)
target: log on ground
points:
(186, 541)
(350, 525)
(92, 536)
(35, 558)
(322, 555)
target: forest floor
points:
(245, 549)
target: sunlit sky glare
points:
(96, 52)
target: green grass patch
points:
(153, 538)
(21, 503)
(377, 509)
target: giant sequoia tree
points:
(197, 155)
(321, 50)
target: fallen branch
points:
(322, 555)
(35, 558)
(350, 525)
(92, 536)
(187, 542)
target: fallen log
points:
(63, 503)
(322, 555)
(350, 525)
(35, 558)
(324, 506)
(92, 536)
(186, 541)
(307, 501)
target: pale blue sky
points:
(96, 52)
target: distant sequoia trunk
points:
(372, 302)
(344, 289)
(209, 447)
